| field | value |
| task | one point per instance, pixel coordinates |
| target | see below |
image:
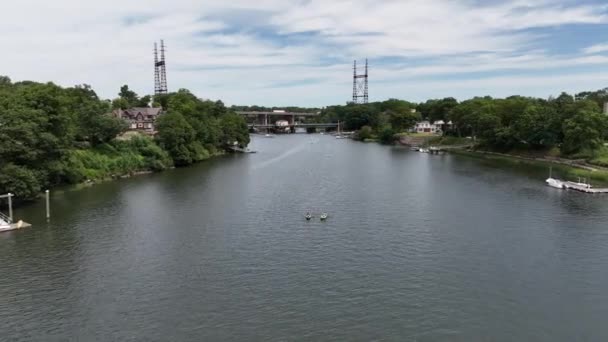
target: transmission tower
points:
(160, 70)
(360, 85)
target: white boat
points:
(424, 150)
(338, 134)
(269, 136)
(4, 226)
(308, 216)
(4, 222)
(555, 183)
(323, 216)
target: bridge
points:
(267, 120)
(262, 116)
(291, 128)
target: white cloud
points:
(241, 52)
(597, 48)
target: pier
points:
(586, 188)
(6, 221)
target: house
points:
(139, 119)
(437, 127)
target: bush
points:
(365, 133)
(20, 181)
(387, 136)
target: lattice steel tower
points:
(160, 70)
(360, 89)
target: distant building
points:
(437, 127)
(605, 107)
(139, 119)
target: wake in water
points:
(280, 157)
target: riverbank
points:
(563, 168)
(119, 159)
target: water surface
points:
(417, 247)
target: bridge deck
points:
(277, 113)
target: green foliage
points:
(585, 130)
(365, 132)
(392, 116)
(129, 96)
(387, 135)
(20, 181)
(434, 110)
(213, 125)
(520, 122)
(51, 135)
(177, 137)
(115, 159)
(103, 128)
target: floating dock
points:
(584, 188)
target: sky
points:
(300, 52)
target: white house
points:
(437, 127)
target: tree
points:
(178, 138)
(20, 181)
(365, 133)
(435, 110)
(234, 128)
(144, 101)
(584, 131)
(104, 128)
(120, 103)
(402, 121)
(129, 96)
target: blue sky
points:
(300, 52)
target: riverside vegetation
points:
(50, 135)
(565, 126)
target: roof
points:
(143, 110)
(131, 113)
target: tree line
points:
(51, 135)
(575, 124)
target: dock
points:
(6, 221)
(584, 188)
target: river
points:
(417, 248)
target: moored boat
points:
(323, 216)
(555, 183)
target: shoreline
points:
(567, 168)
(67, 187)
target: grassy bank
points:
(541, 167)
(117, 159)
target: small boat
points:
(323, 217)
(339, 134)
(308, 216)
(415, 148)
(554, 182)
(424, 150)
(268, 136)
